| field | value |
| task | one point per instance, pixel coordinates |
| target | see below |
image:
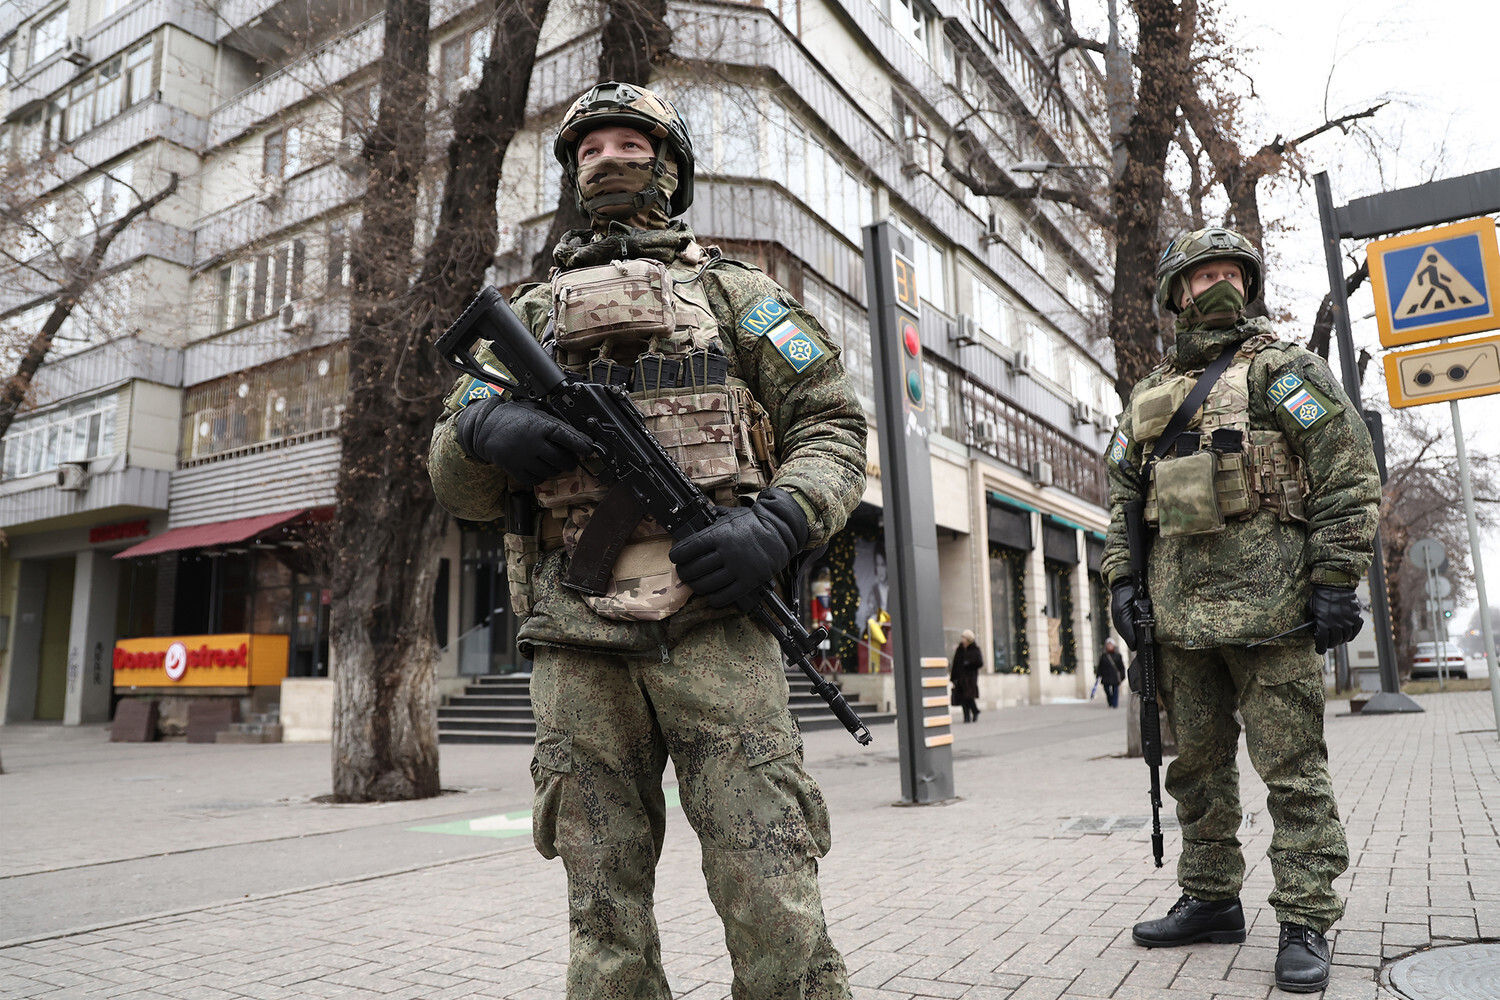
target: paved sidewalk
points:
(204, 871)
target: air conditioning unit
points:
(297, 318)
(1041, 473)
(966, 332)
(1021, 363)
(985, 434)
(75, 53)
(1082, 413)
(994, 230)
(72, 477)
(1103, 421)
(909, 165)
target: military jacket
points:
(773, 347)
(1252, 579)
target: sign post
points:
(1428, 285)
(924, 724)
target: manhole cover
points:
(1457, 972)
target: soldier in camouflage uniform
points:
(1264, 512)
(746, 391)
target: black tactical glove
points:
(744, 548)
(1335, 616)
(524, 441)
(1122, 610)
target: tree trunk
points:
(389, 529)
(1166, 36)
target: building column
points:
(1083, 627)
(1036, 621)
(91, 638)
(26, 647)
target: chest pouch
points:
(1152, 409)
(630, 300)
(1186, 495)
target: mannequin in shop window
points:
(877, 646)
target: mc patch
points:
(763, 315)
(1118, 447)
(799, 349)
(1283, 387)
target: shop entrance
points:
(487, 629)
(57, 619)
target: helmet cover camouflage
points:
(1191, 249)
(643, 110)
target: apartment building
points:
(181, 443)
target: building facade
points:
(180, 445)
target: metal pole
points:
(1390, 698)
(1484, 601)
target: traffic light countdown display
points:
(923, 720)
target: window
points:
(258, 286)
(1081, 383)
(48, 36)
(282, 156)
(360, 107)
(932, 276)
(340, 236)
(76, 432)
(101, 94)
(846, 325)
(913, 22)
(1039, 345)
(921, 150)
(290, 398)
(1034, 251)
(461, 60)
(991, 312)
(1080, 293)
(109, 195)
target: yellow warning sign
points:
(1447, 371)
(1437, 285)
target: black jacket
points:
(967, 662)
(1111, 668)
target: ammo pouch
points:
(716, 435)
(630, 300)
(1153, 409)
(1186, 500)
(521, 554)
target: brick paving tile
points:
(925, 987)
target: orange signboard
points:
(236, 660)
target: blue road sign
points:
(1438, 283)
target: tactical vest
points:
(648, 326)
(1220, 469)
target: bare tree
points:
(388, 527)
(71, 277)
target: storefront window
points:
(1008, 610)
(1064, 652)
(135, 605)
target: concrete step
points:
(482, 736)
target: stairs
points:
(497, 709)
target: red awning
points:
(199, 536)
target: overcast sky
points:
(1438, 64)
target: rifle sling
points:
(609, 528)
(1195, 399)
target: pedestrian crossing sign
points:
(1436, 283)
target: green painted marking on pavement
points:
(514, 824)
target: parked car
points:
(1425, 662)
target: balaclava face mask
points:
(1221, 306)
(628, 175)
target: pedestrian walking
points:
(1258, 478)
(747, 392)
(1109, 672)
(968, 660)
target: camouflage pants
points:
(717, 704)
(1279, 693)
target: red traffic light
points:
(910, 340)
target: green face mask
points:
(1219, 307)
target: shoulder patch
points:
(475, 391)
(763, 315)
(1118, 448)
(1283, 387)
(796, 345)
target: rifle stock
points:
(628, 454)
(1144, 615)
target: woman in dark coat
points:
(967, 662)
(1110, 671)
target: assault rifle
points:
(644, 478)
(1144, 615)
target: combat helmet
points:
(1191, 249)
(638, 108)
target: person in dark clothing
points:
(967, 662)
(1110, 671)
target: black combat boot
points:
(1301, 960)
(1221, 921)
